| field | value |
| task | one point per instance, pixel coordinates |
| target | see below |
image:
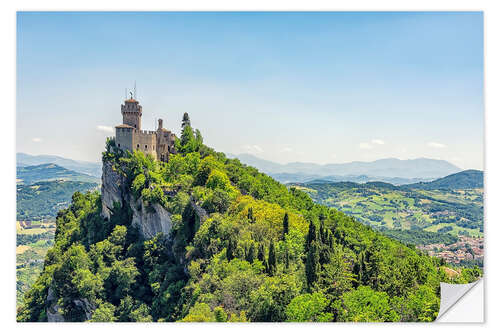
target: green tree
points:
(251, 253)
(200, 312)
(272, 259)
(141, 314)
(105, 312)
(308, 307)
(311, 235)
(285, 225)
(312, 264)
(185, 120)
(365, 305)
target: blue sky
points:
(310, 87)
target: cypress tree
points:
(285, 225)
(272, 259)
(185, 120)
(251, 253)
(311, 236)
(322, 236)
(312, 264)
(231, 247)
(287, 259)
(261, 253)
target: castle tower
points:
(132, 113)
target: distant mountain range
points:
(390, 170)
(48, 172)
(90, 168)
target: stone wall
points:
(145, 141)
(124, 138)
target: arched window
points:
(137, 146)
(146, 146)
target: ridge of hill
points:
(90, 168)
(468, 179)
(47, 172)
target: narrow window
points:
(137, 146)
(118, 145)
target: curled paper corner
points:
(461, 302)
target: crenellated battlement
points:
(146, 132)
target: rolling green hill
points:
(468, 179)
(453, 204)
(88, 168)
(43, 200)
(47, 172)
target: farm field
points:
(31, 247)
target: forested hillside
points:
(262, 253)
(44, 199)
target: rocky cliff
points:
(149, 220)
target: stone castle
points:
(130, 136)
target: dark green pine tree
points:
(312, 264)
(311, 235)
(251, 253)
(285, 225)
(231, 249)
(261, 253)
(330, 239)
(185, 120)
(272, 259)
(322, 234)
(287, 259)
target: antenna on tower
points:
(135, 91)
(125, 93)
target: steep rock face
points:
(112, 189)
(53, 311)
(149, 219)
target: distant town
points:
(467, 249)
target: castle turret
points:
(132, 113)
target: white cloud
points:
(253, 149)
(286, 150)
(107, 129)
(365, 145)
(378, 141)
(37, 140)
(436, 145)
